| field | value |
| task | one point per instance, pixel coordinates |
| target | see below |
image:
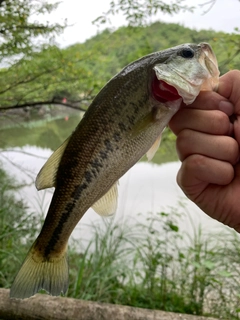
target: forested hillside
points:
(108, 52)
(128, 43)
(78, 72)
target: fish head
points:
(188, 69)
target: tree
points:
(38, 74)
(51, 76)
(137, 12)
(19, 34)
(34, 70)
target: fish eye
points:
(187, 53)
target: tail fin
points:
(41, 273)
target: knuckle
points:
(220, 123)
(188, 170)
(183, 142)
(232, 151)
(196, 161)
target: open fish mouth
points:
(209, 60)
(192, 70)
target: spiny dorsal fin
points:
(107, 205)
(151, 152)
(46, 177)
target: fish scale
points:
(124, 122)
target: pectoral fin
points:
(46, 177)
(107, 205)
(151, 152)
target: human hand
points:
(208, 146)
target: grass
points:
(152, 265)
(149, 266)
(17, 229)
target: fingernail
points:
(226, 107)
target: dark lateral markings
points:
(122, 126)
(58, 230)
(108, 145)
(78, 190)
(117, 136)
(135, 107)
(103, 154)
(131, 119)
(88, 176)
(96, 164)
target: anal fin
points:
(107, 205)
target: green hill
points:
(79, 71)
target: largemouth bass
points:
(123, 122)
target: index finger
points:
(210, 100)
(229, 85)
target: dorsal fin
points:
(46, 177)
(107, 205)
(151, 152)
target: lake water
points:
(147, 187)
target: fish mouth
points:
(209, 60)
(187, 76)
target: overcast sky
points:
(223, 16)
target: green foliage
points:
(94, 273)
(228, 50)
(39, 73)
(139, 41)
(152, 265)
(78, 72)
(17, 230)
(18, 33)
(157, 266)
(50, 75)
(137, 12)
(23, 46)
